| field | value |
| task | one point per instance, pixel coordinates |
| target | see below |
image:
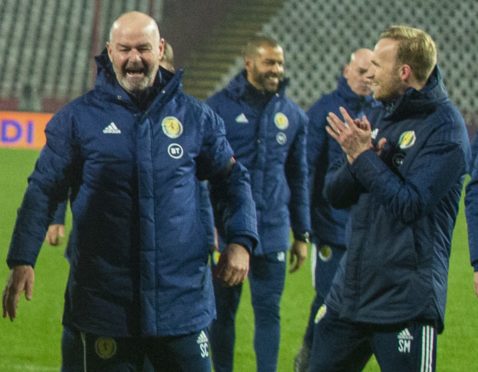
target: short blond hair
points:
(416, 48)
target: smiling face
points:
(135, 50)
(385, 71)
(265, 68)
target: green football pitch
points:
(32, 341)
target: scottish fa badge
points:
(325, 253)
(407, 139)
(172, 127)
(105, 347)
(281, 121)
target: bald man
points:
(328, 223)
(132, 152)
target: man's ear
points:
(108, 49)
(405, 72)
(247, 62)
(162, 48)
(345, 71)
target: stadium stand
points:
(317, 35)
(48, 44)
(47, 47)
(211, 59)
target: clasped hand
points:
(353, 135)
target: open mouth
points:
(135, 72)
(272, 80)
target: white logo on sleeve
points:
(404, 341)
(111, 129)
(241, 119)
(281, 256)
(203, 343)
(374, 133)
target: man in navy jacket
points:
(130, 155)
(328, 223)
(403, 181)
(267, 132)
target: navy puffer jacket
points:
(138, 250)
(268, 136)
(404, 207)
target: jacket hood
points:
(238, 86)
(424, 100)
(352, 99)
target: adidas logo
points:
(111, 129)
(405, 335)
(241, 119)
(202, 338)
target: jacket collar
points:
(107, 83)
(413, 101)
(352, 99)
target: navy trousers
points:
(343, 346)
(266, 279)
(327, 260)
(84, 352)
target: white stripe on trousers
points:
(83, 341)
(428, 338)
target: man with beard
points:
(403, 182)
(267, 132)
(328, 224)
(56, 231)
(130, 155)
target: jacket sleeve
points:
(438, 166)
(474, 151)
(471, 212)
(59, 214)
(47, 187)
(341, 188)
(316, 139)
(230, 187)
(207, 216)
(297, 178)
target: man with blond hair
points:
(402, 177)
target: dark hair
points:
(258, 40)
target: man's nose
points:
(276, 68)
(134, 55)
(370, 73)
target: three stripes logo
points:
(241, 118)
(404, 341)
(111, 129)
(203, 343)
